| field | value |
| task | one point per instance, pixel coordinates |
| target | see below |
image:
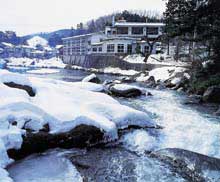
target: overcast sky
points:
(31, 16)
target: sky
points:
(33, 16)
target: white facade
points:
(121, 38)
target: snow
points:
(37, 40)
(44, 71)
(63, 105)
(119, 71)
(36, 63)
(13, 77)
(124, 87)
(2, 63)
(7, 44)
(88, 78)
(135, 58)
(89, 86)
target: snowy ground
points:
(62, 105)
(36, 63)
(161, 59)
(162, 74)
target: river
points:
(184, 127)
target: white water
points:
(184, 127)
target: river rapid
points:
(184, 127)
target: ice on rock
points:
(45, 168)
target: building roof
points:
(7, 44)
(138, 24)
(84, 35)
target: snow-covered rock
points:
(92, 78)
(119, 71)
(61, 105)
(124, 90)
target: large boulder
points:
(123, 90)
(151, 82)
(81, 136)
(212, 94)
(92, 78)
(193, 166)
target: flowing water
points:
(184, 127)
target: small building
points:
(122, 38)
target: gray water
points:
(184, 127)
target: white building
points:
(120, 39)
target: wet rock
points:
(151, 82)
(92, 78)
(80, 137)
(217, 113)
(122, 90)
(212, 94)
(28, 89)
(193, 99)
(114, 163)
(194, 166)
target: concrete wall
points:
(103, 61)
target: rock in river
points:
(212, 94)
(123, 90)
(92, 78)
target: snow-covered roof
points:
(48, 48)
(59, 46)
(37, 52)
(7, 44)
(84, 35)
(97, 43)
(138, 24)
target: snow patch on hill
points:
(37, 40)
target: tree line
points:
(195, 23)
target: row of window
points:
(138, 30)
(120, 48)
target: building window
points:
(100, 49)
(137, 30)
(120, 48)
(122, 30)
(146, 49)
(94, 49)
(129, 49)
(152, 30)
(110, 48)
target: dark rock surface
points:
(81, 136)
(212, 94)
(118, 164)
(192, 166)
(128, 93)
(27, 88)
